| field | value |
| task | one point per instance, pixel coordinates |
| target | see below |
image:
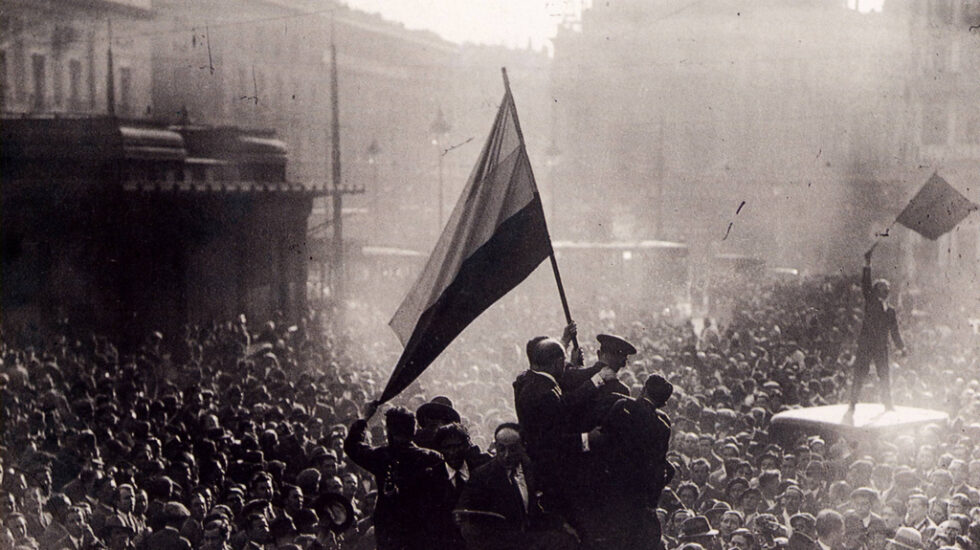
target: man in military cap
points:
(612, 354)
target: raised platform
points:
(867, 420)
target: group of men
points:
(584, 465)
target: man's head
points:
(76, 522)
(546, 355)
(700, 470)
(216, 534)
(452, 441)
(830, 527)
(862, 499)
(258, 527)
(399, 426)
(614, 350)
(508, 442)
(881, 288)
(658, 390)
(262, 486)
(125, 498)
(917, 508)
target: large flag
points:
(935, 209)
(495, 237)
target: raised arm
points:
(357, 447)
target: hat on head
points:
(175, 510)
(865, 492)
(805, 518)
(907, 538)
(439, 408)
(696, 527)
(615, 344)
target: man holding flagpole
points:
(880, 321)
(545, 413)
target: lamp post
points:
(439, 130)
(373, 151)
(552, 158)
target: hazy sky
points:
(508, 22)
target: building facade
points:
(54, 56)
(765, 128)
(125, 226)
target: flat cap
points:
(615, 344)
(175, 510)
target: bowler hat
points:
(865, 492)
(696, 527)
(615, 344)
(175, 510)
(437, 409)
(907, 538)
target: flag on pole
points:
(935, 209)
(495, 237)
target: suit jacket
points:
(879, 320)
(413, 510)
(855, 529)
(544, 411)
(589, 414)
(491, 490)
(634, 448)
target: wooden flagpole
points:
(551, 254)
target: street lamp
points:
(439, 131)
(373, 151)
(552, 158)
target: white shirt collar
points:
(464, 471)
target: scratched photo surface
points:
(490, 274)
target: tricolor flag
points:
(935, 209)
(495, 237)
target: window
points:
(20, 71)
(968, 124)
(935, 125)
(38, 62)
(3, 79)
(74, 85)
(125, 98)
(58, 82)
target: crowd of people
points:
(237, 436)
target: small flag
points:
(935, 209)
(495, 237)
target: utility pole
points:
(110, 79)
(338, 275)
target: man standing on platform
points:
(544, 413)
(633, 441)
(613, 352)
(879, 321)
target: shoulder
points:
(485, 471)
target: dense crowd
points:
(234, 436)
